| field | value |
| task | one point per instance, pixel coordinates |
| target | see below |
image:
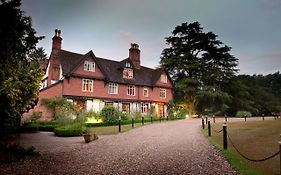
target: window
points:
(87, 85)
(128, 73)
(89, 66)
(163, 78)
(108, 104)
(44, 84)
(113, 88)
(145, 92)
(162, 93)
(128, 64)
(131, 90)
(144, 108)
(126, 107)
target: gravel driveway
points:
(175, 147)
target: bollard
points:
(206, 120)
(280, 154)
(225, 118)
(224, 127)
(262, 116)
(214, 119)
(167, 117)
(142, 120)
(209, 128)
(133, 123)
(119, 125)
(245, 118)
(151, 119)
(203, 124)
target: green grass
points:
(256, 140)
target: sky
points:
(251, 28)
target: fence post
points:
(262, 116)
(151, 119)
(245, 118)
(119, 125)
(206, 120)
(224, 127)
(225, 118)
(203, 124)
(214, 119)
(132, 122)
(167, 117)
(280, 154)
(142, 120)
(209, 128)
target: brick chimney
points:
(57, 40)
(134, 55)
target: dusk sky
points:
(252, 27)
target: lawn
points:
(254, 139)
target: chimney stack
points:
(134, 55)
(57, 40)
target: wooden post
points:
(225, 118)
(245, 118)
(133, 123)
(214, 119)
(206, 120)
(262, 116)
(151, 119)
(209, 128)
(119, 125)
(224, 127)
(142, 120)
(203, 124)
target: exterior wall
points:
(96, 74)
(53, 91)
(166, 85)
(73, 87)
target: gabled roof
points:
(112, 70)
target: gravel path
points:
(176, 147)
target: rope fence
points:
(227, 137)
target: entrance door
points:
(161, 109)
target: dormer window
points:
(89, 66)
(163, 78)
(128, 73)
(128, 65)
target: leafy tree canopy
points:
(200, 66)
(19, 76)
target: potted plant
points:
(89, 135)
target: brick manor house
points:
(91, 83)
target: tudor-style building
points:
(91, 82)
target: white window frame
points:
(164, 78)
(131, 90)
(144, 108)
(113, 88)
(163, 91)
(89, 66)
(145, 89)
(85, 82)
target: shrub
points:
(243, 114)
(47, 126)
(13, 153)
(35, 116)
(69, 130)
(29, 127)
(110, 115)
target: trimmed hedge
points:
(70, 130)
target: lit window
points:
(131, 90)
(162, 93)
(163, 78)
(126, 107)
(108, 104)
(145, 92)
(144, 108)
(113, 88)
(87, 85)
(128, 73)
(89, 66)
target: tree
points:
(200, 65)
(20, 77)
